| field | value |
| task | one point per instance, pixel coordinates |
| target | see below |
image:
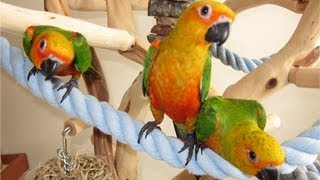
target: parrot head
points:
(49, 51)
(208, 19)
(253, 150)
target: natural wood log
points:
(18, 19)
(238, 6)
(273, 74)
(100, 5)
(76, 126)
(137, 106)
(305, 77)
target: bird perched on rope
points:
(54, 51)
(177, 70)
(233, 128)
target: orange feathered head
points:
(207, 18)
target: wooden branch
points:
(305, 77)
(18, 19)
(76, 126)
(100, 5)
(137, 107)
(58, 6)
(120, 16)
(137, 52)
(238, 6)
(273, 74)
(126, 158)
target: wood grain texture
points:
(278, 67)
(17, 19)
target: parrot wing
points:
(206, 78)
(83, 56)
(207, 119)
(148, 65)
(261, 116)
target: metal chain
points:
(63, 153)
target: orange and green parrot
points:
(177, 70)
(54, 51)
(233, 128)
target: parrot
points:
(233, 128)
(177, 70)
(54, 51)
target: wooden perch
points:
(273, 74)
(305, 77)
(100, 5)
(18, 19)
(76, 126)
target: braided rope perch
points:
(300, 151)
(234, 60)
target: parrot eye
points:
(252, 156)
(205, 11)
(43, 44)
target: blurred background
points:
(30, 125)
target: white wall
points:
(32, 126)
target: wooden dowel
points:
(305, 77)
(76, 126)
(18, 19)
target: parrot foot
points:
(200, 146)
(189, 143)
(33, 72)
(149, 127)
(69, 85)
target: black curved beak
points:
(218, 33)
(49, 68)
(268, 174)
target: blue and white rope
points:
(300, 151)
(234, 60)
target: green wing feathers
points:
(27, 42)
(147, 68)
(83, 56)
(207, 119)
(261, 116)
(206, 78)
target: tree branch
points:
(18, 19)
